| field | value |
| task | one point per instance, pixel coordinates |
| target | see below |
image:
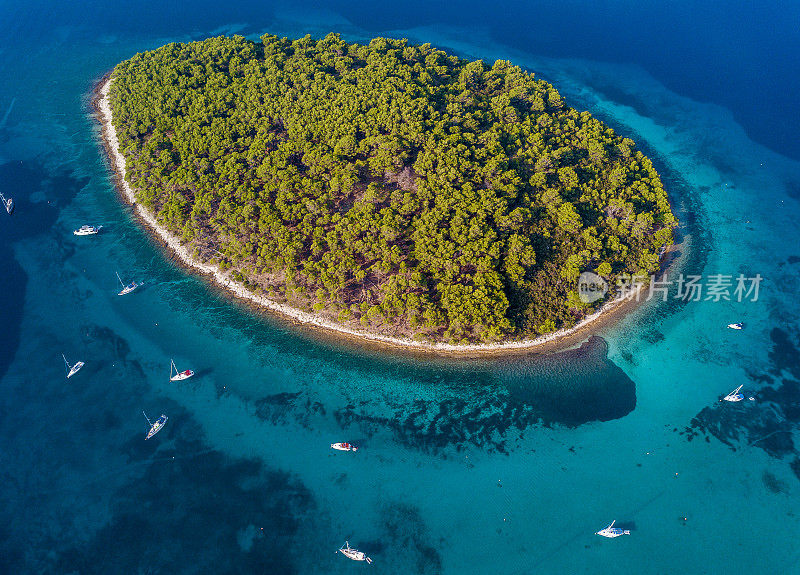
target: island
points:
(387, 190)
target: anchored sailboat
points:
(179, 375)
(612, 531)
(354, 554)
(87, 230)
(156, 426)
(734, 395)
(344, 446)
(8, 204)
(72, 369)
(126, 288)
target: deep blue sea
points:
(493, 466)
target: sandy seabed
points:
(609, 313)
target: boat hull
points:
(610, 535)
(734, 395)
(182, 375)
(343, 447)
(611, 532)
(128, 289)
(354, 554)
(157, 426)
(75, 369)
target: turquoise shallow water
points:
(492, 466)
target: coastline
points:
(609, 313)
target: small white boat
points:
(179, 375)
(612, 531)
(8, 204)
(72, 369)
(87, 230)
(126, 288)
(354, 554)
(735, 325)
(156, 425)
(734, 395)
(344, 446)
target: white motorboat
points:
(87, 230)
(612, 531)
(344, 446)
(72, 369)
(126, 288)
(734, 395)
(156, 425)
(179, 375)
(735, 325)
(354, 554)
(8, 204)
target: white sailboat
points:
(87, 230)
(179, 375)
(156, 426)
(126, 288)
(72, 369)
(354, 554)
(735, 325)
(612, 531)
(8, 204)
(344, 446)
(734, 395)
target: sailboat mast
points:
(65, 361)
(147, 418)
(120, 279)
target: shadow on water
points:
(406, 534)
(201, 373)
(772, 419)
(573, 387)
(19, 180)
(490, 405)
(487, 403)
(12, 288)
(627, 525)
(194, 506)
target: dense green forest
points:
(388, 185)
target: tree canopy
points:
(391, 185)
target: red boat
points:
(179, 375)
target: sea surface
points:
(492, 466)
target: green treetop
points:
(388, 184)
